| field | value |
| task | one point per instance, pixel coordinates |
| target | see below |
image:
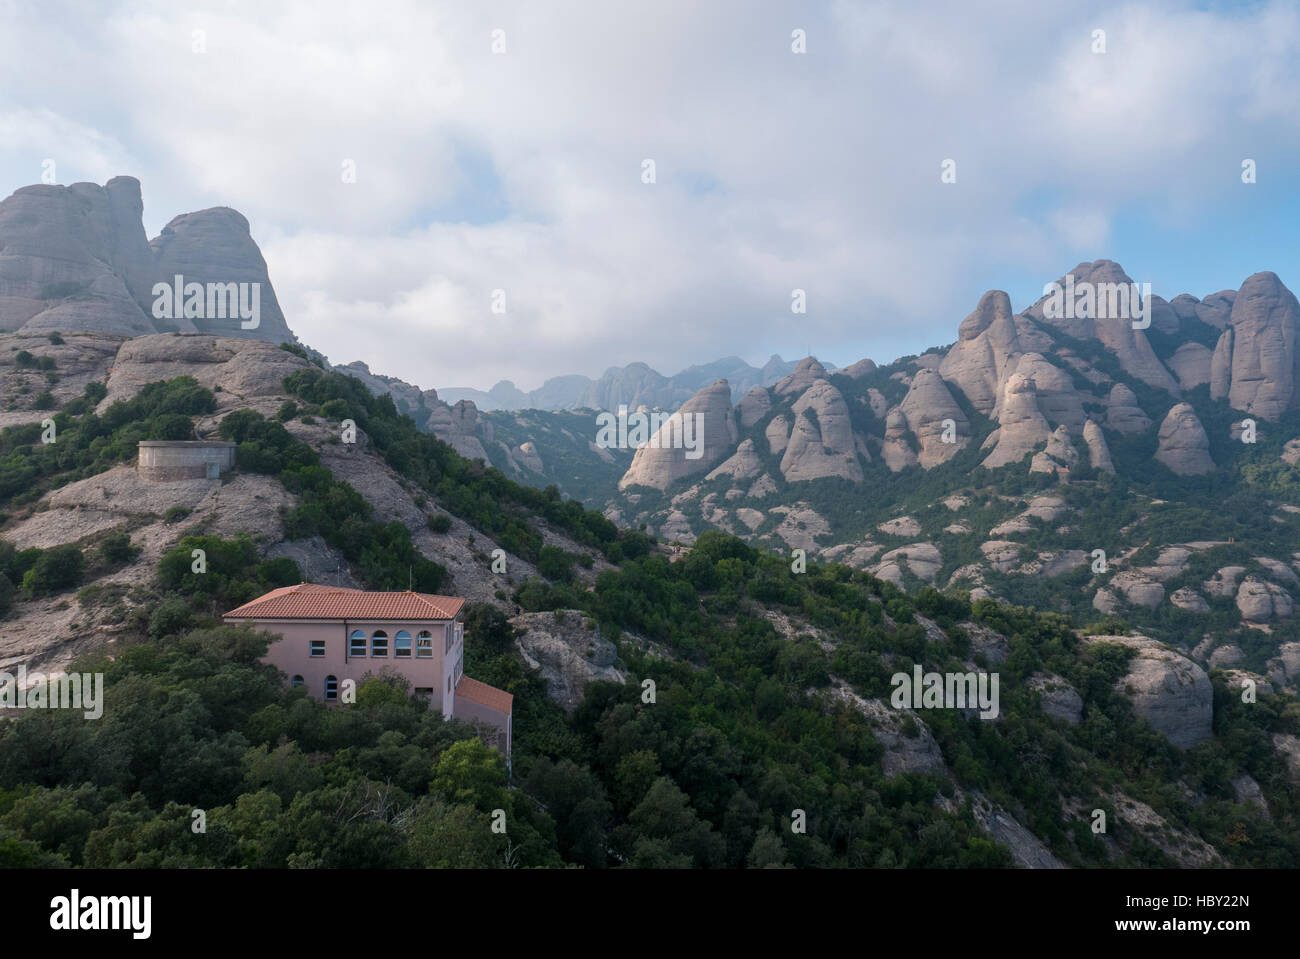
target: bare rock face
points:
(1190, 600)
(1163, 316)
(909, 746)
(526, 454)
(1123, 413)
(76, 258)
(1139, 589)
(926, 407)
(1058, 399)
(1216, 309)
(753, 406)
(1191, 363)
(215, 246)
(570, 652)
(743, 464)
(807, 372)
(859, 369)
(979, 362)
(1265, 355)
(896, 451)
(1166, 689)
(1059, 455)
(1184, 447)
(1259, 601)
(821, 442)
(1057, 697)
(1116, 332)
(458, 427)
(1022, 425)
(1098, 449)
(778, 434)
(1221, 367)
(1224, 582)
(879, 405)
(241, 368)
(662, 466)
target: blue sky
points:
(521, 170)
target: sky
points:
(522, 168)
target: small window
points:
(451, 638)
(424, 692)
(402, 645)
(448, 685)
(331, 688)
(379, 643)
(317, 648)
(296, 682)
(424, 645)
(358, 641)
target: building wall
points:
(467, 710)
(292, 654)
(162, 461)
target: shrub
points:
(440, 523)
(44, 401)
(25, 360)
(116, 549)
(175, 514)
(55, 338)
(54, 570)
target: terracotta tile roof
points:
(312, 601)
(485, 695)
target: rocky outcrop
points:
(1184, 447)
(821, 442)
(1098, 449)
(1110, 326)
(742, 465)
(1259, 602)
(778, 434)
(1022, 425)
(215, 246)
(978, 363)
(76, 258)
(1191, 363)
(896, 451)
(932, 414)
(1058, 399)
(1123, 413)
(908, 745)
(1265, 355)
(526, 455)
(807, 372)
(570, 652)
(1059, 455)
(235, 368)
(752, 407)
(1190, 600)
(1138, 589)
(458, 427)
(663, 460)
(1057, 697)
(1221, 367)
(859, 369)
(1166, 689)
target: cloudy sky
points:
(522, 170)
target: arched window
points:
(358, 642)
(424, 645)
(296, 682)
(379, 643)
(402, 645)
(331, 688)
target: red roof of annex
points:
(313, 601)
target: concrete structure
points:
(329, 635)
(164, 461)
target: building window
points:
(448, 685)
(331, 688)
(424, 645)
(358, 641)
(450, 638)
(317, 648)
(402, 645)
(296, 682)
(379, 643)
(424, 692)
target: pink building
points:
(329, 635)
